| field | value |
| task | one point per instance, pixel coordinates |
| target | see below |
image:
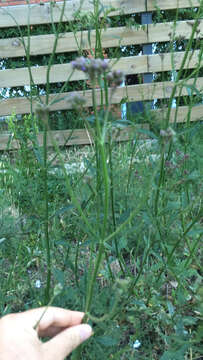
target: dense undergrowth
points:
(117, 225)
(151, 291)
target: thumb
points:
(65, 342)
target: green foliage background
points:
(68, 119)
(148, 285)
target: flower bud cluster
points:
(115, 78)
(76, 100)
(97, 67)
(168, 134)
(41, 110)
(93, 67)
(177, 163)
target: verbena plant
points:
(123, 237)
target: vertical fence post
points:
(139, 106)
(146, 18)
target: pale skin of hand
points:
(20, 341)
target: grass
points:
(152, 291)
(117, 228)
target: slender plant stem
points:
(46, 203)
(54, 50)
(159, 184)
(93, 278)
(180, 72)
(70, 189)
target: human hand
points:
(19, 339)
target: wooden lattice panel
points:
(22, 2)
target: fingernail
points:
(85, 331)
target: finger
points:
(65, 342)
(50, 331)
(55, 317)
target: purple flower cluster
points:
(168, 134)
(115, 78)
(177, 163)
(93, 67)
(97, 67)
(76, 100)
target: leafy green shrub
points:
(121, 236)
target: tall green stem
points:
(161, 177)
(54, 48)
(93, 278)
(46, 205)
(187, 51)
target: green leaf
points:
(177, 354)
(147, 132)
(170, 308)
(174, 75)
(191, 89)
(38, 155)
(62, 210)
(59, 276)
(124, 100)
(121, 123)
(106, 340)
(58, 100)
(189, 320)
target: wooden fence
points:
(112, 37)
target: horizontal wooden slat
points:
(195, 115)
(162, 32)
(43, 44)
(76, 137)
(141, 92)
(129, 65)
(169, 61)
(20, 77)
(112, 37)
(82, 137)
(171, 4)
(40, 13)
(60, 72)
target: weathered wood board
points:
(129, 65)
(70, 137)
(83, 137)
(43, 13)
(112, 37)
(131, 93)
(171, 4)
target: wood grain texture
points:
(129, 65)
(61, 72)
(44, 13)
(112, 37)
(70, 138)
(162, 31)
(41, 13)
(196, 113)
(82, 137)
(171, 4)
(43, 44)
(159, 90)
(169, 61)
